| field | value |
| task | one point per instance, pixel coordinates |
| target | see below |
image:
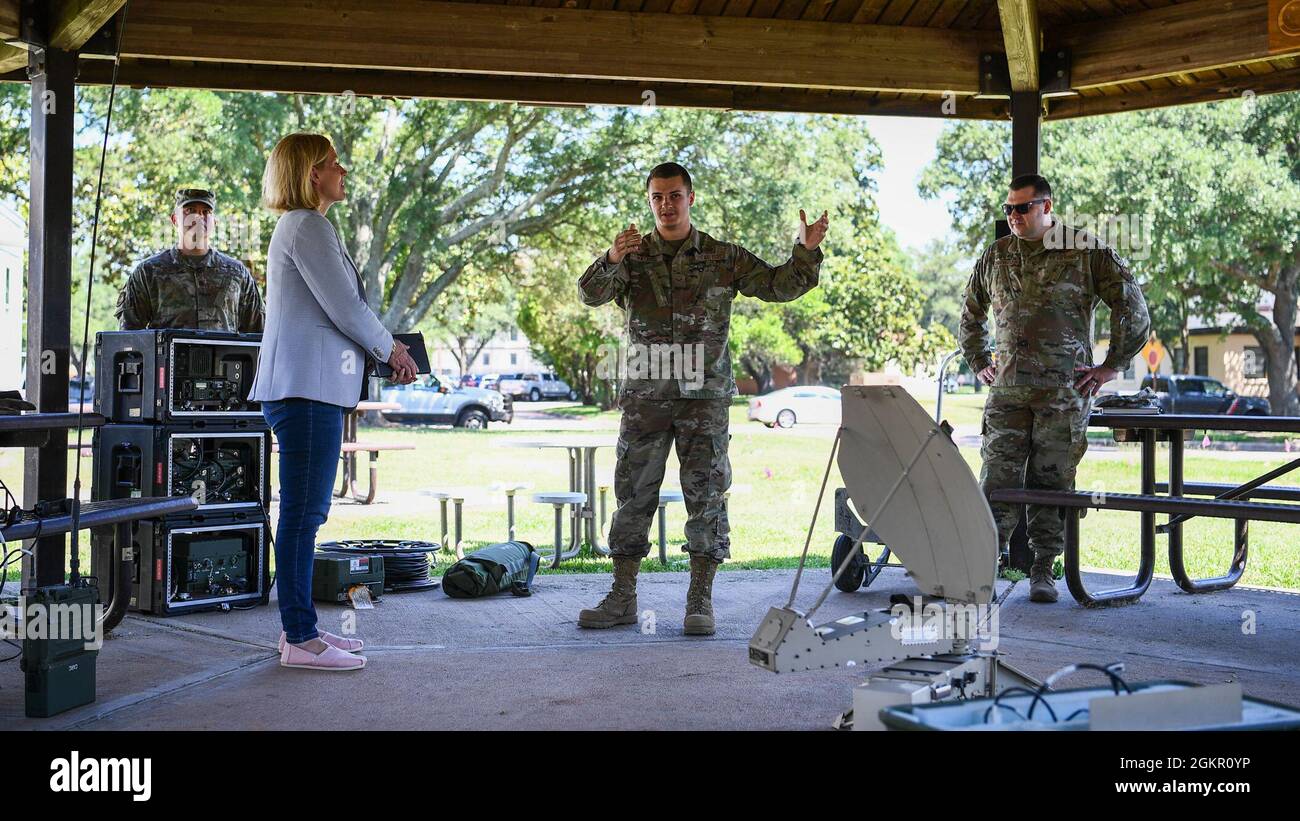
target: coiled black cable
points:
(407, 563)
(403, 573)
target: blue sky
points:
(908, 144)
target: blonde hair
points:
(286, 182)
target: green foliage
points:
(941, 270)
(1214, 190)
(873, 317)
(455, 208)
(473, 310)
(758, 339)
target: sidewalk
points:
(522, 663)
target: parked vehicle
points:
(535, 387)
(428, 401)
(1179, 393)
(74, 392)
(807, 404)
(489, 381)
(470, 380)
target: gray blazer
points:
(319, 328)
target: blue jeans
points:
(310, 435)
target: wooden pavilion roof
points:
(903, 57)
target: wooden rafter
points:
(72, 23)
(1020, 36)
(1192, 36)
(539, 90)
(411, 35)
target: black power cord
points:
(75, 557)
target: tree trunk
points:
(607, 394)
(811, 372)
(1278, 343)
(761, 371)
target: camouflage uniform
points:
(1035, 421)
(684, 301)
(210, 292)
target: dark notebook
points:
(415, 342)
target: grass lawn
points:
(776, 475)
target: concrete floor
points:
(514, 663)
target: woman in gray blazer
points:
(311, 370)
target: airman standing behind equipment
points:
(191, 285)
(1043, 282)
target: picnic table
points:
(582, 475)
(1176, 498)
(351, 447)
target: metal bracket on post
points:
(1053, 75)
(995, 76)
(103, 43)
(33, 24)
(33, 35)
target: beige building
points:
(1236, 359)
(1221, 350)
(13, 245)
(508, 352)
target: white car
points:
(535, 387)
(807, 404)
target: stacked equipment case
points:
(180, 424)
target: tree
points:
(874, 315)
(759, 342)
(580, 343)
(473, 311)
(436, 188)
(941, 269)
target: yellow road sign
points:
(1153, 353)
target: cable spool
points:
(407, 562)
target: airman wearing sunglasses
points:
(1043, 282)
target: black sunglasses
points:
(1022, 207)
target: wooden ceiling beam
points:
(1191, 36)
(1202, 92)
(426, 35)
(72, 23)
(1022, 40)
(11, 57)
(535, 91)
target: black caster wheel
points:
(862, 572)
(856, 572)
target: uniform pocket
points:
(1079, 429)
(1005, 285)
(1068, 280)
(720, 480)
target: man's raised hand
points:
(810, 236)
(625, 243)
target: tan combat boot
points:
(699, 597)
(619, 605)
(1042, 585)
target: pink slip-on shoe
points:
(345, 644)
(331, 659)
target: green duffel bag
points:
(493, 569)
